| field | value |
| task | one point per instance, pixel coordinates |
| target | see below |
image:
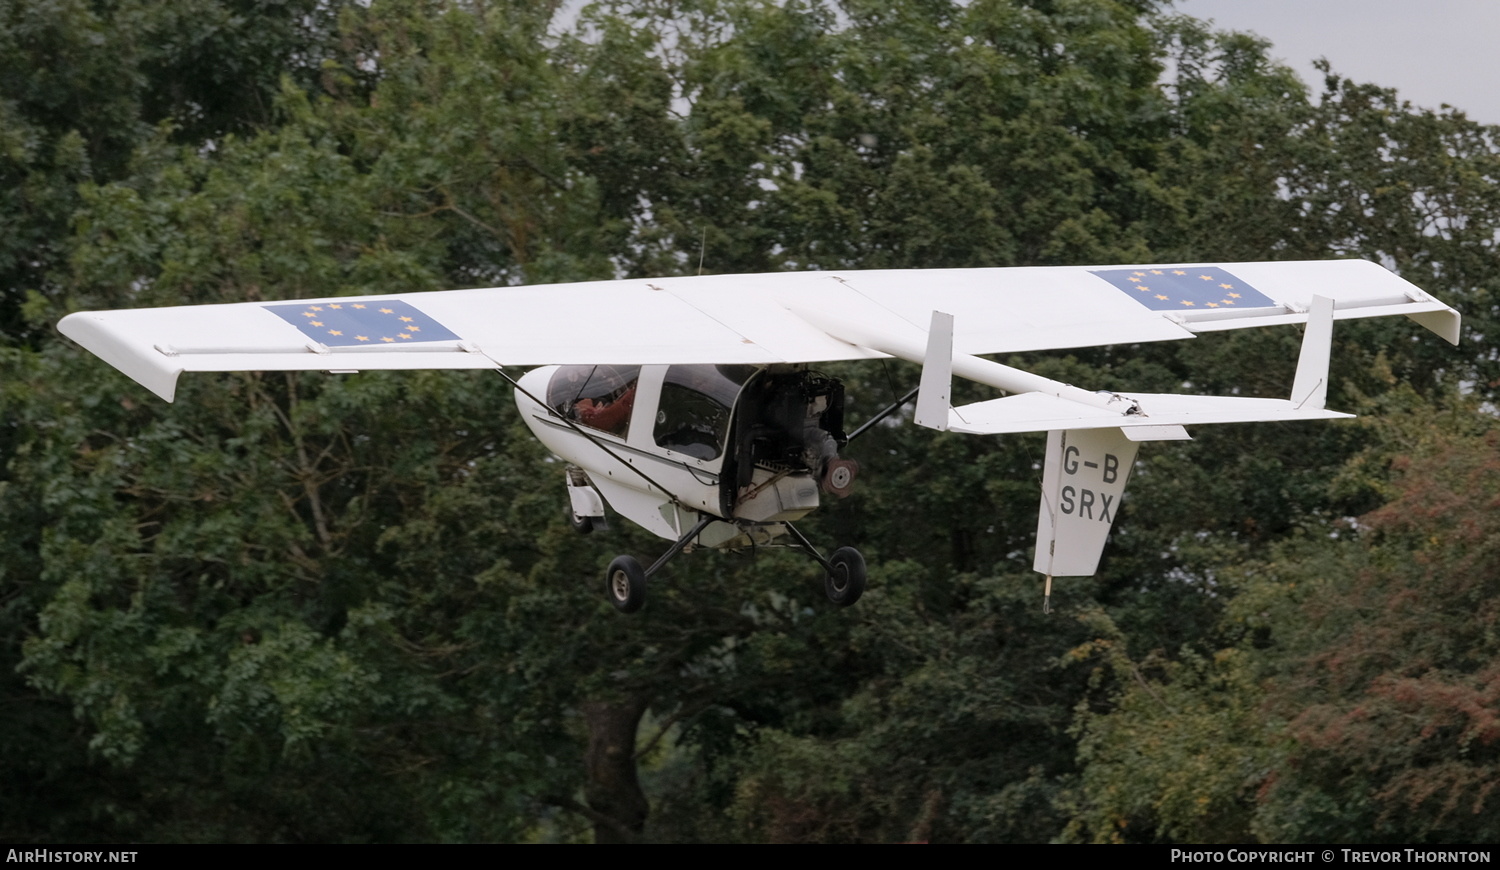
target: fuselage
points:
(665, 445)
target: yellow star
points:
(1227, 286)
(405, 318)
(1143, 288)
(1140, 273)
(386, 338)
(317, 323)
(1226, 301)
(308, 314)
(387, 311)
(1159, 296)
(1133, 278)
(361, 338)
(1213, 305)
(402, 335)
(1186, 302)
(1156, 271)
(335, 306)
(1178, 272)
(1206, 277)
(317, 308)
(334, 332)
(358, 305)
(413, 329)
(1234, 296)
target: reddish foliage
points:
(1394, 685)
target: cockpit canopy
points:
(696, 405)
(600, 397)
(789, 420)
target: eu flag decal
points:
(371, 322)
(1195, 289)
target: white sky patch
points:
(1431, 51)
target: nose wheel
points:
(845, 581)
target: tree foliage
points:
(310, 607)
(1357, 697)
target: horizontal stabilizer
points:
(1156, 433)
(1036, 412)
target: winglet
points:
(153, 369)
(937, 374)
(1310, 388)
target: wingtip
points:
(93, 332)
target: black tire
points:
(625, 583)
(846, 582)
(581, 525)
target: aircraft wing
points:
(767, 318)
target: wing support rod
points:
(680, 543)
(886, 412)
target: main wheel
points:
(581, 525)
(625, 581)
(846, 582)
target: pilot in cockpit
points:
(598, 396)
(610, 413)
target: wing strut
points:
(886, 412)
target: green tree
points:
(258, 602)
(303, 608)
(1356, 695)
(86, 83)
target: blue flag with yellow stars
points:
(1195, 289)
(370, 322)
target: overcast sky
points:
(1431, 51)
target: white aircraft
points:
(690, 405)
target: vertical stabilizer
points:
(937, 374)
(1083, 483)
(1310, 389)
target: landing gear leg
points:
(845, 581)
(625, 581)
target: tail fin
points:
(1083, 483)
(1310, 387)
(937, 374)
